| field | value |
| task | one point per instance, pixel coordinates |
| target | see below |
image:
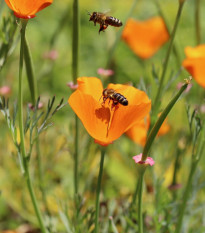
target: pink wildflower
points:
(52, 55)
(189, 86)
(105, 72)
(32, 107)
(72, 85)
(5, 90)
(138, 159)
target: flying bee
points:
(104, 20)
(114, 96)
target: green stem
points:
(32, 81)
(140, 217)
(75, 51)
(75, 47)
(76, 155)
(195, 161)
(185, 198)
(21, 130)
(160, 121)
(197, 22)
(135, 194)
(97, 206)
(30, 73)
(159, 92)
(119, 34)
(40, 174)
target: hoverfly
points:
(114, 96)
(104, 20)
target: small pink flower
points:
(148, 161)
(105, 72)
(5, 90)
(72, 85)
(52, 55)
(32, 107)
(189, 86)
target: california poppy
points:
(145, 37)
(103, 121)
(195, 63)
(138, 132)
(27, 9)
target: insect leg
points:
(103, 27)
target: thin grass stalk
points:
(97, 205)
(160, 121)
(185, 198)
(140, 216)
(195, 160)
(75, 52)
(76, 155)
(173, 33)
(197, 22)
(21, 130)
(32, 81)
(30, 73)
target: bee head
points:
(104, 93)
(93, 16)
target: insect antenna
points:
(88, 12)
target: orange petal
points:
(197, 52)
(91, 86)
(27, 9)
(196, 67)
(104, 122)
(138, 133)
(145, 37)
(93, 115)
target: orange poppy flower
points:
(145, 37)
(138, 133)
(27, 9)
(195, 63)
(103, 121)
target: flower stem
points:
(159, 92)
(30, 73)
(76, 155)
(75, 46)
(21, 129)
(195, 161)
(160, 121)
(185, 198)
(32, 81)
(135, 194)
(197, 22)
(140, 217)
(75, 51)
(98, 190)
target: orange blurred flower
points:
(104, 122)
(138, 133)
(195, 63)
(27, 9)
(145, 37)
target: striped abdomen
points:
(118, 98)
(113, 21)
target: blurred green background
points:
(52, 30)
